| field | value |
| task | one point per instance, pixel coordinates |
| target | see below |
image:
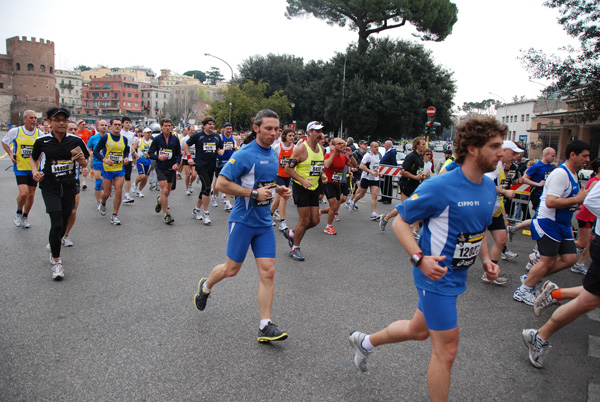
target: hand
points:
(191, 162)
(38, 176)
(284, 192)
(510, 194)
(520, 181)
(491, 270)
(263, 193)
(13, 158)
(108, 161)
(541, 184)
(580, 197)
(419, 177)
(175, 167)
(304, 182)
(430, 267)
(81, 160)
(323, 179)
(125, 161)
(162, 157)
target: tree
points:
(197, 74)
(434, 19)
(82, 67)
(181, 107)
(576, 76)
(214, 75)
(485, 107)
(247, 100)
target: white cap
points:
(512, 146)
(147, 130)
(314, 125)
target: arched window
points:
(43, 68)
(30, 67)
(18, 66)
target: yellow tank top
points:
(115, 152)
(501, 178)
(144, 147)
(312, 167)
(24, 146)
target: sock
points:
(557, 294)
(542, 342)
(525, 288)
(264, 323)
(328, 225)
(204, 288)
(24, 215)
(19, 212)
(283, 221)
(206, 212)
(291, 233)
(296, 248)
(505, 249)
(366, 344)
(495, 262)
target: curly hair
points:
(475, 131)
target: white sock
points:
(366, 344)
(291, 233)
(264, 323)
(204, 288)
(525, 288)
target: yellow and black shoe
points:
(201, 297)
(157, 207)
(270, 332)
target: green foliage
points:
(247, 100)
(197, 74)
(485, 107)
(433, 19)
(82, 67)
(576, 76)
(214, 75)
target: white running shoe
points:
(577, 268)
(25, 223)
(508, 255)
(127, 199)
(276, 215)
(114, 219)
(206, 218)
(67, 242)
(139, 194)
(361, 355)
(228, 207)
(214, 201)
(18, 220)
(197, 214)
(57, 271)
(187, 192)
(283, 226)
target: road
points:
(122, 325)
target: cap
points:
(448, 151)
(147, 130)
(512, 146)
(362, 142)
(314, 125)
(56, 111)
(227, 125)
(80, 121)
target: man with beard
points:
(455, 209)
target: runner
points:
(285, 149)
(143, 162)
(97, 166)
(18, 143)
(85, 135)
(369, 179)
(190, 172)
(305, 167)
(250, 176)
(79, 172)
(228, 144)
(455, 210)
(57, 178)
(128, 167)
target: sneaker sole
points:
(281, 337)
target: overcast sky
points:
(482, 51)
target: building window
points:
(136, 105)
(62, 91)
(1, 85)
(522, 117)
(156, 105)
(50, 69)
(116, 95)
(137, 95)
(156, 94)
(30, 67)
(18, 66)
(165, 96)
(527, 117)
(43, 68)
(69, 92)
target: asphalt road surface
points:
(122, 325)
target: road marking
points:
(594, 315)
(3, 155)
(594, 346)
(593, 392)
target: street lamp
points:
(230, 82)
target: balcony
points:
(62, 85)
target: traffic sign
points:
(430, 111)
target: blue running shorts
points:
(439, 310)
(242, 236)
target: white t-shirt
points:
(372, 162)
(130, 135)
(559, 185)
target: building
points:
(70, 87)
(98, 72)
(168, 79)
(140, 74)
(154, 101)
(111, 96)
(517, 116)
(26, 78)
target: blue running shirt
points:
(455, 214)
(252, 167)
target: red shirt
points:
(84, 135)
(334, 173)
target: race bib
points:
(193, 152)
(269, 200)
(62, 168)
(26, 150)
(316, 168)
(284, 161)
(505, 184)
(115, 157)
(167, 152)
(209, 147)
(546, 175)
(467, 249)
(336, 177)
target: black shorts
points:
(333, 191)
(168, 175)
(585, 224)
(26, 180)
(304, 197)
(550, 248)
(184, 162)
(220, 165)
(206, 180)
(59, 197)
(283, 181)
(591, 280)
(128, 168)
(77, 187)
(497, 223)
(366, 183)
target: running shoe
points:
(197, 214)
(157, 207)
(330, 230)
(57, 271)
(276, 215)
(66, 241)
(114, 219)
(201, 297)
(545, 298)
(533, 259)
(499, 281)
(361, 355)
(228, 207)
(102, 209)
(99, 206)
(283, 226)
(537, 348)
(510, 231)
(206, 218)
(296, 254)
(84, 187)
(18, 220)
(270, 332)
(152, 187)
(188, 192)
(577, 268)
(214, 201)
(127, 199)
(191, 189)
(322, 201)
(336, 218)
(382, 222)
(350, 206)
(25, 223)
(537, 288)
(374, 217)
(355, 207)
(526, 297)
(508, 255)
(290, 239)
(169, 219)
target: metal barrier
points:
(389, 177)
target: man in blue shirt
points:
(97, 167)
(250, 175)
(455, 209)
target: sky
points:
(482, 51)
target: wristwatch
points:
(254, 194)
(415, 259)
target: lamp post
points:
(230, 81)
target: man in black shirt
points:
(58, 178)
(412, 169)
